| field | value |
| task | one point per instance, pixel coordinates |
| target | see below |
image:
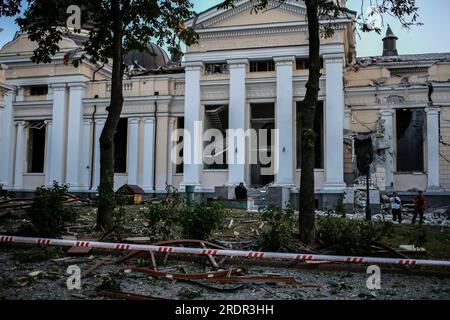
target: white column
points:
(48, 153)
(99, 125)
(387, 118)
(433, 153)
(20, 94)
(284, 114)
(334, 123)
(133, 149)
(85, 160)
(59, 119)
(237, 121)
(170, 146)
(193, 145)
(6, 142)
(74, 135)
(149, 147)
(20, 156)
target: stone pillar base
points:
(279, 197)
(225, 192)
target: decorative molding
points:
(261, 53)
(432, 111)
(257, 30)
(395, 99)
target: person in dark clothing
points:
(419, 207)
(241, 192)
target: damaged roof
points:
(425, 57)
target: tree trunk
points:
(308, 111)
(106, 202)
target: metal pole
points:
(190, 197)
(368, 211)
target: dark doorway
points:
(262, 117)
(120, 146)
(410, 150)
(36, 147)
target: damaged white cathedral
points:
(248, 71)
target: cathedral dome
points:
(152, 59)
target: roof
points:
(424, 57)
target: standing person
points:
(241, 192)
(396, 207)
(419, 207)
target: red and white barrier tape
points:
(228, 253)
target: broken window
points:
(120, 146)
(410, 137)
(303, 64)
(36, 147)
(217, 68)
(364, 153)
(180, 126)
(262, 66)
(319, 143)
(38, 90)
(215, 146)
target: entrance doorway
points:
(262, 118)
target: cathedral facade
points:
(247, 72)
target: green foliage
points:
(279, 229)
(111, 282)
(48, 213)
(162, 218)
(418, 237)
(351, 236)
(142, 22)
(188, 294)
(202, 220)
(340, 209)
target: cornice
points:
(257, 30)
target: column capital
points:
(387, 112)
(334, 58)
(193, 66)
(58, 86)
(87, 122)
(238, 63)
(286, 60)
(433, 111)
(172, 120)
(100, 121)
(77, 85)
(20, 123)
(149, 120)
(134, 120)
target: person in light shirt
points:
(396, 207)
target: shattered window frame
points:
(410, 153)
(223, 117)
(217, 68)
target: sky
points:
(433, 36)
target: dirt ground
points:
(47, 280)
(37, 273)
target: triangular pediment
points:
(242, 15)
